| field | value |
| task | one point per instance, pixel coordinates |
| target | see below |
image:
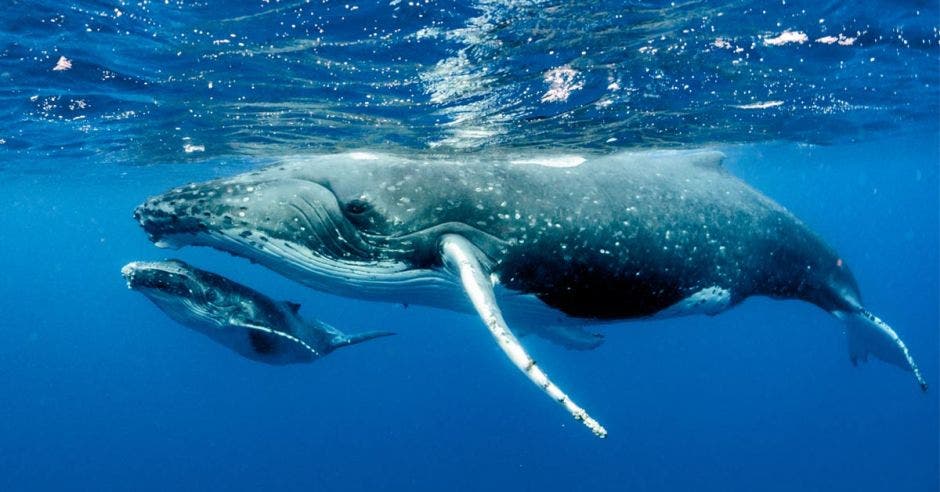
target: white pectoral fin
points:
(868, 334)
(461, 256)
(286, 336)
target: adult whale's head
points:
(344, 223)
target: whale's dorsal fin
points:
(462, 258)
(708, 159)
(291, 306)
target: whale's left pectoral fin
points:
(868, 334)
(262, 338)
(463, 259)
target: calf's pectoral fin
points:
(868, 334)
(462, 258)
(262, 339)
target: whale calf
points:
(242, 319)
(547, 246)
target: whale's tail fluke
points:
(346, 340)
(327, 338)
(868, 334)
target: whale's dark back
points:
(628, 236)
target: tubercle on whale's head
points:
(162, 223)
(251, 212)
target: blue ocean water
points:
(830, 108)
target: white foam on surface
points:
(786, 37)
(841, 40)
(562, 81)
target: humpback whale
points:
(242, 319)
(541, 246)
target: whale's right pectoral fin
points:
(463, 259)
(868, 334)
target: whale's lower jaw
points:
(380, 281)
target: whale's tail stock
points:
(868, 334)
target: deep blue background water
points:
(101, 391)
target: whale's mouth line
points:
(380, 280)
(380, 276)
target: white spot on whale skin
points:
(560, 161)
(710, 300)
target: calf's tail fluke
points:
(346, 340)
(868, 334)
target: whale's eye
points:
(358, 207)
